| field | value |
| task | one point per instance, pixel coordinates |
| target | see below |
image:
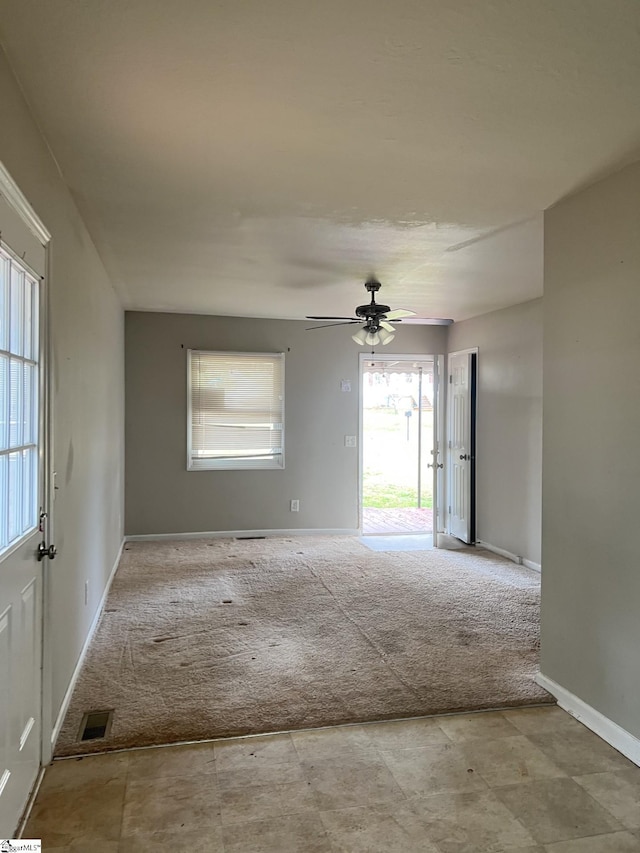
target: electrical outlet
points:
(349, 441)
(295, 506)
(86, 592)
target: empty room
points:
(312, 325)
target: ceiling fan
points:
(376, 319)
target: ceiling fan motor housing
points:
(372, 311)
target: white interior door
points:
(460, 445)
(22, 437)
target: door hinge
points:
(449, 510)
(451, 379)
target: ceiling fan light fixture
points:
(385, 337)
(372, 338)
(360, 336)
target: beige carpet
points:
(207, 638)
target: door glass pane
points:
(28, 487)
(4, 398)
(4, 301)
(4, 500)
(35, 320)
(15, 495)
(16, 310)
(27, 336)
(28, 427)
(15, 403)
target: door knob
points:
(43, 551)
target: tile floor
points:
(524, 781)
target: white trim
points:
(480, 543)
(612, 733)
(467, 351)
(18, 201)
(76, 672)
(502, 552)
(242, 534)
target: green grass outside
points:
(390, 496)
(390, 457)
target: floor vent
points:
(250, 537)
(96, 724)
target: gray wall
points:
(509, 435)
(591, 497)
(163, 497)
(88, 341)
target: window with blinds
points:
(236, 410)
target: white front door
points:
(22, 435)
(437, 453)
(460, 449)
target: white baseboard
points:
(243, 534)
(500, 551)
(612, 733)
(76, 672)
(515, 558)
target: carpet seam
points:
(373, 645)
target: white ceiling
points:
(262, 158)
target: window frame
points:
(251, 463)
(37, 407)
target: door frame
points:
(474, 442)
(17, 201)
(439, 448)
(438, 411)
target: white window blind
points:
(19, 415)
(236, 410)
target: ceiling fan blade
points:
(430, 321)
(399, 312)
(326, 325)
(353, 319)
(385, 325)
